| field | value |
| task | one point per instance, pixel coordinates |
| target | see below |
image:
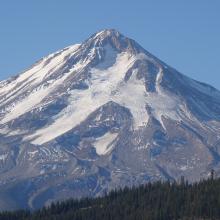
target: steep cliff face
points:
(99, 115)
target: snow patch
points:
(42, 172)
(184, 168)
(32, 153)
(3, 157)
(143, 147)
(104, 144)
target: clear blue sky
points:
(183, 33)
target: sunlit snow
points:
(105, 85)
(104, 144)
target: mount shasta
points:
(101, 115)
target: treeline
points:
(153, 201)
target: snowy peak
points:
(106, 67)
(106, 34)
(114, 38)
(99, 115)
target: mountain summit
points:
(101, 115)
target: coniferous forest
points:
(153, 201)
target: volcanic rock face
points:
(100, 115)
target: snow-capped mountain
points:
(100, 115)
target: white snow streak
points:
(39, 71)
(104, 144)
(3, 157)
(163, 103)
(36, 97)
